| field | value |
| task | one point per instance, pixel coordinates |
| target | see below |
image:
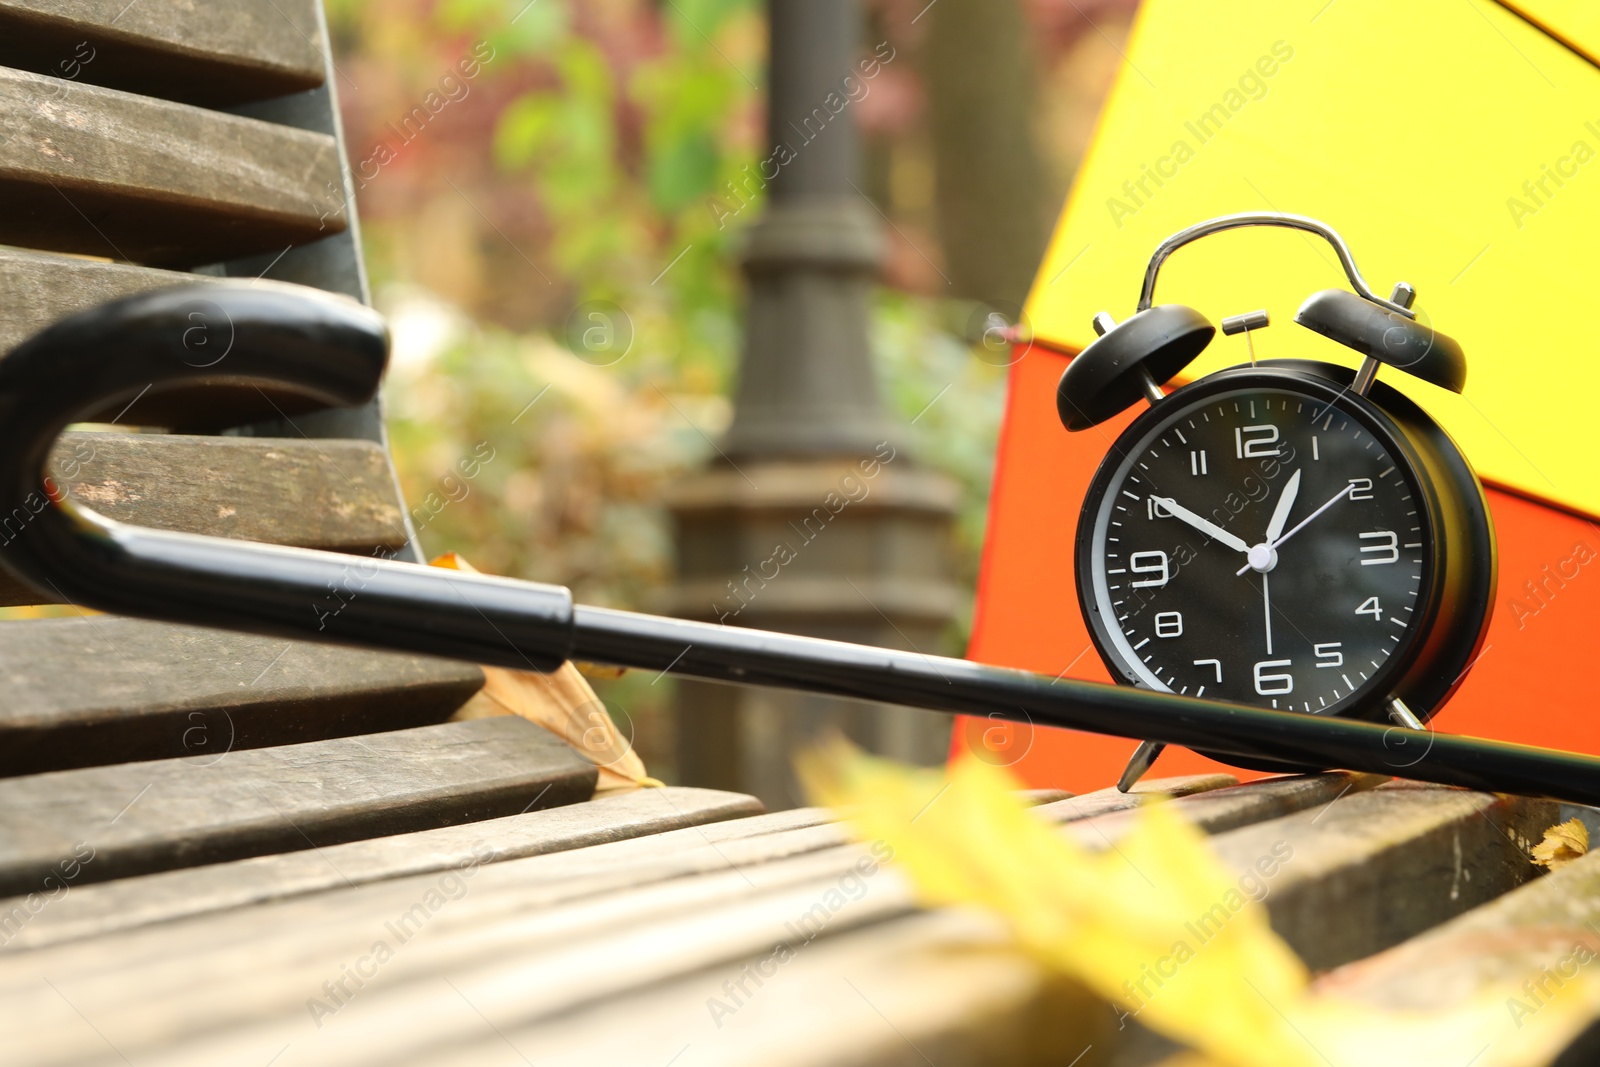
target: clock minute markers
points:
(1281, 519)
(1160, 660)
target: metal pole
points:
(806, 412)
(806, 386)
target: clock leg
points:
(1401, 715)
(1143, 757)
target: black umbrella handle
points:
(331, 351)
(292, 344)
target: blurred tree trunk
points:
(991, 193)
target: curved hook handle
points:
(285, 342)
(1234, 222)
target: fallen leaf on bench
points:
(1157, 926)
(1562, 844)
(601, 670)
(563, 703)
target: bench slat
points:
(1390, 863)
(100, 909)
(217, 1005)
(1108, 801)
(139, 818)
(216, 53)
(1369, 870)
(329, 494)
(664, 904)
(90, 691)
(539, 968)
(1508, 939)
(41, 288)
(1218, 811)
(936, 987)
(338, 495)
(1532, 942)
(106, 173)
(555, 880)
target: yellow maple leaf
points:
(1562, 844)
(1157, 926)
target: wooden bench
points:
(142, 146)
(227, 849)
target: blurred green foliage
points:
(608, 128)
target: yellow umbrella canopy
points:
(1453, 144)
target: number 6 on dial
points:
(1268, 685)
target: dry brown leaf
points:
(563, 703)
(601, 670)
(1562, 844)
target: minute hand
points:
(1205, 526)
(1340, 495)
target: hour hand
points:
(1205, 526)
(1280, 514)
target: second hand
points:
(1266, 605)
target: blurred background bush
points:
(520, 164)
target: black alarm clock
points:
(1285, 533)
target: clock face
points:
(1300, 491)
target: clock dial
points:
(1313, 503)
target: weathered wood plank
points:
(1360, 871)
(1217, 811)
(1505, 941)
(96, 910)
(938, 987)
(336, 495)
(535, 967)
(516, 962)
(725, 891)
(1106, 801)
(1389, 862)
(540, 968)
(138, 818)
(106, 173)
(1533, 942)
(97, 690)
(1036, 797)
(215, 53)
(722, 847)
(41, 289)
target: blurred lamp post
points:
(814, 518)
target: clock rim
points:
(1368, 701)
